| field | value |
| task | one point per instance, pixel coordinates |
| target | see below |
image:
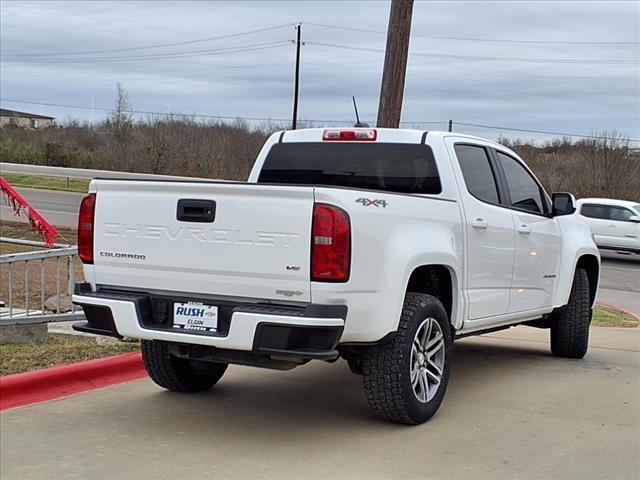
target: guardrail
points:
(65, 172)
(65, 256)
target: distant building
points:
(24, 119)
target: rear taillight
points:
(85, 228)
(330, 244)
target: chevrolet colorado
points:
(376, 245)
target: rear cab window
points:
(392, 167)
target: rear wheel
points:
(179, 374)
(405, 379)
(570, 324)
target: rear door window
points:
(477, 172)
(393, 167)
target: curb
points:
(39, 385)
(618, 307)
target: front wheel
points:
(179, 374)
(405, 378)
(570, 324)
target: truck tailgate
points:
(257, 245)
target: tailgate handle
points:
(203, 211)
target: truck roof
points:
(389, 135)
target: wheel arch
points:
(591, 265)
(441, 281)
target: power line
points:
(349, 121)
(143, 112)
(261, 46)
(476, 39)
(161, 45)
(493, 127)
(176, 114)
(598, 61)
(160, 56)
(223, 67)
(511, 129)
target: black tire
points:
(570, 324)
(179, 374)
(387, 367)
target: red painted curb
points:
(622, 309)
(49, 383)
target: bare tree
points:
(602, 166)
(120, 118)
(605, 165)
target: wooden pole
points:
(395, 64)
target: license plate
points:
(195, 316)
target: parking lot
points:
(512, 411)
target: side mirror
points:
(562, 204)
(635, 218)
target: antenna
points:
(355, 107)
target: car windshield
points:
(637, 209)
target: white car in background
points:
(615, 224)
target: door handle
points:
(480, 223)
(524, 229)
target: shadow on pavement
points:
(306, 398)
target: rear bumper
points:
(307, 332)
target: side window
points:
(619, 214)
(477, 172)
(524, 190)
(593, 210)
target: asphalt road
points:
(59, 208)
(620, 279)
(511, 411)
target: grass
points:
(23, 357)
(7, 248)
(611, 317)
(48, 183)
(23, 231)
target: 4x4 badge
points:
(367, 202)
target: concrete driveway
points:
(512, 411)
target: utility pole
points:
(451, 125)
(395, 63)
(296, 87)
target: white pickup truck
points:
(376, 245)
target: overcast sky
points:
(589, 81)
